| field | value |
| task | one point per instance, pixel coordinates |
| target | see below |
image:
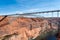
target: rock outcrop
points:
(22, 28)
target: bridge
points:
(53, 13)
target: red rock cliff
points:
(22, 28)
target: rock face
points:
(58, 36)
(21, 28)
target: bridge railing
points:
(53, 13)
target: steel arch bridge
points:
(47, 13)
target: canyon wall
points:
(22, 28)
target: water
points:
(51, 38)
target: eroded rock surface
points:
(22, 28)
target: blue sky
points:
(19, 6)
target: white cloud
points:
(19, 12)
(31, 10)
(10, 13)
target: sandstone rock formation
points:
(21, 28)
